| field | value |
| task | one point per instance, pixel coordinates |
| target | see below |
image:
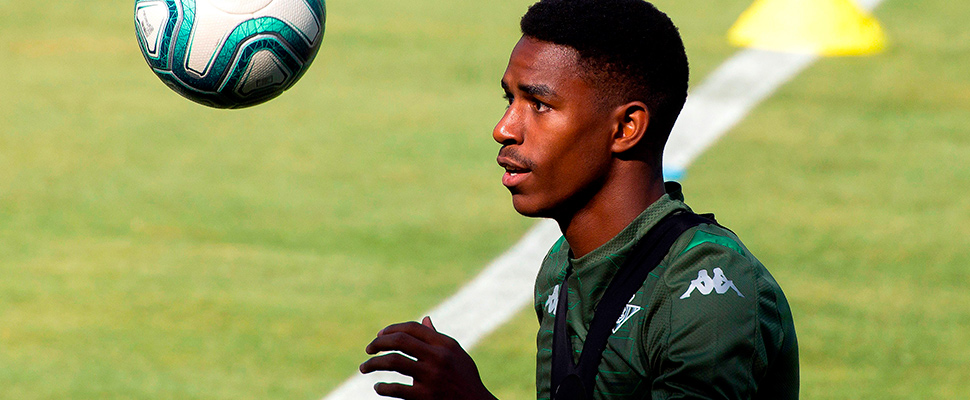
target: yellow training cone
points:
(823, 27)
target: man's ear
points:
(632, 119)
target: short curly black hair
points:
(627, 48)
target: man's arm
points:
(441, 369)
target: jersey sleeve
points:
(549, 276)
(704, 336)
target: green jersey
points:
(709, 322)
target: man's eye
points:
(539, 106)
(508, 98)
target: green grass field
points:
(152, 248)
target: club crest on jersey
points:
(628, 312)
(706, 284)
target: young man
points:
(594, 88)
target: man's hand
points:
(441, 369)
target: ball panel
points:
(298, 15)
(210, 28)
(273, 35)
(180, 42)
(263, 45)
(264, 72)
(240, 6)
(210, 76)
(151, 18)
(155, 22)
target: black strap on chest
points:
(572, 381)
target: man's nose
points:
(508, 130)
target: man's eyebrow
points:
(533, 90)
(538, 90)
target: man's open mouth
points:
(514, 174)
(516, 171)
(517, 168)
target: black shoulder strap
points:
(571, 381)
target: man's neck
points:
(607, 213)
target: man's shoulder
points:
(708, 268)
(709, 247)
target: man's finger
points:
(417, 330)
(427, 322)
(395, 362)
(398, 341)
(398, 390)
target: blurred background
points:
(154, 248)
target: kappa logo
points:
(553, 301)
(706, 284)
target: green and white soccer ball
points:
(229, 53)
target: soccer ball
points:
(229, 53)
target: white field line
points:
(506, 285)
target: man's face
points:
(555, 139)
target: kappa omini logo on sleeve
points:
(706, 284)
(553, 301)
